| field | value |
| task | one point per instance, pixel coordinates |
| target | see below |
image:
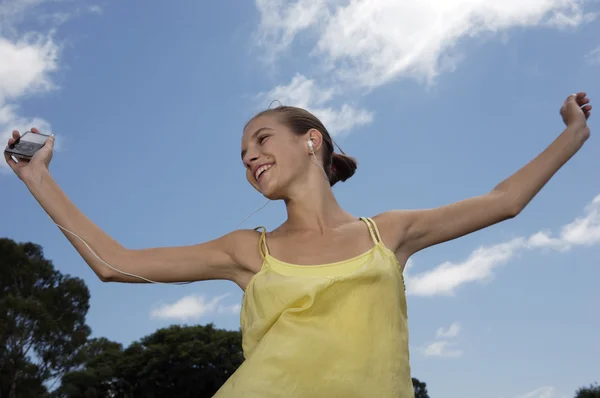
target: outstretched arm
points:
(411, 231)
(222, 258)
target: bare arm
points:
(216, 259)
(411, 231)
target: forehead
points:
(258, 123)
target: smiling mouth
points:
(262, 170)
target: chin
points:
(272, 191)
(272, 194)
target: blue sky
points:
(437, 101)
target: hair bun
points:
(342, 168)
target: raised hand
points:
(576, 110)
(39, 162)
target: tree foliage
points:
(44, 337)
(42, 320)
(192, 361)
(593, 391)
(420, 388)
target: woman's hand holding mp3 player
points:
(27, 168)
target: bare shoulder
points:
(244, 247)
(392, 226)
(245, 251)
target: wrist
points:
(35, 178)
(580, 132)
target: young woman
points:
(324, 309)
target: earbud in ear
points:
(311, 147)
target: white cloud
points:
(446, 278)
(26, 68)
(26, 65)
(444, 346)
(55, 12)
(593, 57)
(194, 307)
(371, 42)
(305, 93)
(442, 349)
(29, 60)
(449, 332)
(95, 9)
(281, 20)
(543, 392)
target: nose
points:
(250, 158)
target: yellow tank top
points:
(331, 330)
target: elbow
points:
(510, 204)
(105, 275)
(512, 211)
(513, 206)
(105, 272)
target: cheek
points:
(249, 177)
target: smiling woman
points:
(337, 167)
(324, 309)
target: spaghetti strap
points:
(372, 231)
(376, 230)
(262, 242)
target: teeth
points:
(262, 169)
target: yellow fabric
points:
(332, 330)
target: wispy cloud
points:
(29, 60)
(449, 332)
(447, 277)
(371, 42)
(593, 57)
(50, 12)
(306, 93)
(542, 392)
(445, 345)
(27, 65)
(443, 349)
(194, 307)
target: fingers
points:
(9, 160)
(582, 101)
(580, 98)
(587, 110)
(15, 137)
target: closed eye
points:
(262, 138)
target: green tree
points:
(593, 391)
(420, 388)
(97, 376)
(42, 320)
(179, 361)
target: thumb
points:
(50, 142)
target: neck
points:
(315, 207)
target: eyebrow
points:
(254, 135)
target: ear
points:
(316, 137)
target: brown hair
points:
(337, 166)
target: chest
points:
(319, 249)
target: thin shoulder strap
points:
(376, 229)
(262, 242)
(372, 229)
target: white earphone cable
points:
(312, 153)
(137, 276)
